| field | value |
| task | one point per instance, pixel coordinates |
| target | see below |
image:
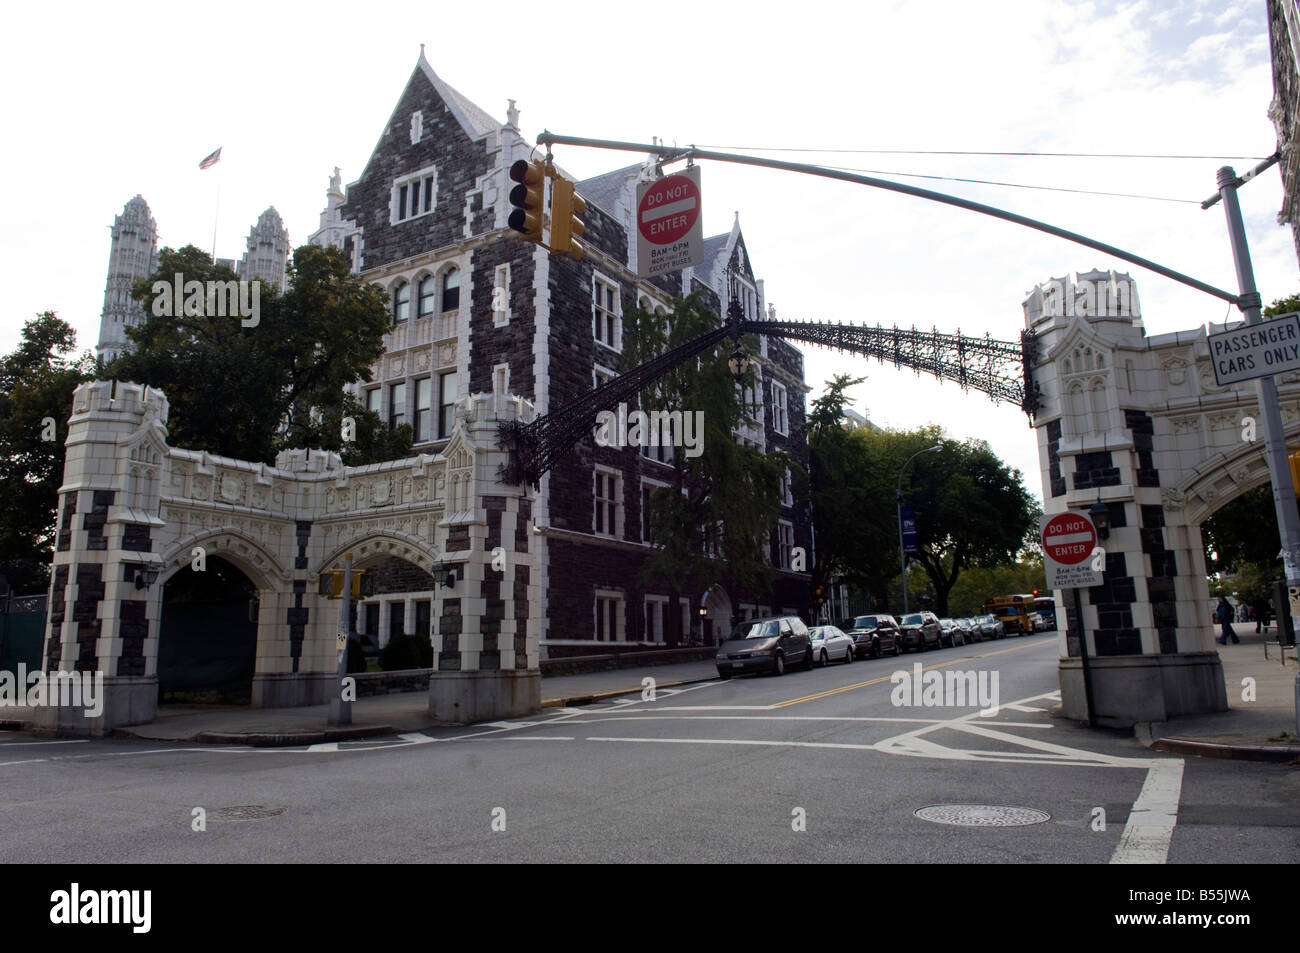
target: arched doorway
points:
(718, 612)
(207, 635)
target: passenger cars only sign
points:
(669, 230)
(1256, 350)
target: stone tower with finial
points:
(133, 255)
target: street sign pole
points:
(1083, 660)
(1270, 410)
(340, 711)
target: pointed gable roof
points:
(474, 120)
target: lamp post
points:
(898, 500)
(340, 708)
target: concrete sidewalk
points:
(373, 716)
(1262, 729)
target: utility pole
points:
(340, 712)
(1270, 410)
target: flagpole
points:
(216, 214)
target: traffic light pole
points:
(1270, 410)
(340, 711)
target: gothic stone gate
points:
(1139, 422)
(129, 502)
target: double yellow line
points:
(884, 678)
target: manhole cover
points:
(248, 812)
(982, 815)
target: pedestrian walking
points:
(1224, 613)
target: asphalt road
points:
(719, 771)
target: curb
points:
(288, 739)
(575, 700)
(1276, 754)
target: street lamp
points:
(1100, 514)
(898, 500)
(738, 363)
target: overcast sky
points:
(104, 101)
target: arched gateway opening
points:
(207, 637)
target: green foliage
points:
(36, 384)
(1252, 583)
(980, 583)
(971, 510)
(248, 392)
(406, 651)
(1243, 531)
(725, 500)
(1283, 306)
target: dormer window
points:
(413, 195)
(417, 126)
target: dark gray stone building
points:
(477, 310)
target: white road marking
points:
(325, 746)
(1151, 822)
(735, 741)
(23, 744)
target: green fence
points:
(22, 631)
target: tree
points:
(1243, 531)
(36, 384)
(723, 502)
(855, 535)
(971, 510)
(249, 388)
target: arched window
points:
(428, 289)
(401, 302)
(451, 290)
(1100, 416)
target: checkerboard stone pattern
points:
(1137, 422)
(131, 505)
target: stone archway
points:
(1138, 423)
(717, 602)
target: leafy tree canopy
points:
(36, 383)
(247, 389)
(723, 502)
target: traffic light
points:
(331, 584)
(1295, 472)
(567, 207)
(528, 199)
(819, 597)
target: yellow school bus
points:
(1015, 612)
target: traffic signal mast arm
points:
(673, 153)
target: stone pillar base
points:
(461, 698)
(293, 689)
(128, 700)
(1128, 689)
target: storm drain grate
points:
(982, 815)
(247, 812)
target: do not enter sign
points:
(1069, 544)
(1069, 538)
(670, 232)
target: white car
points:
(829, 643)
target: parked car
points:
(953, 632)
(920, 630)
(974, 631)
(830, 643)
(765, 645)
(991, 627)
(874, 634)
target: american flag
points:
(211, 160)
